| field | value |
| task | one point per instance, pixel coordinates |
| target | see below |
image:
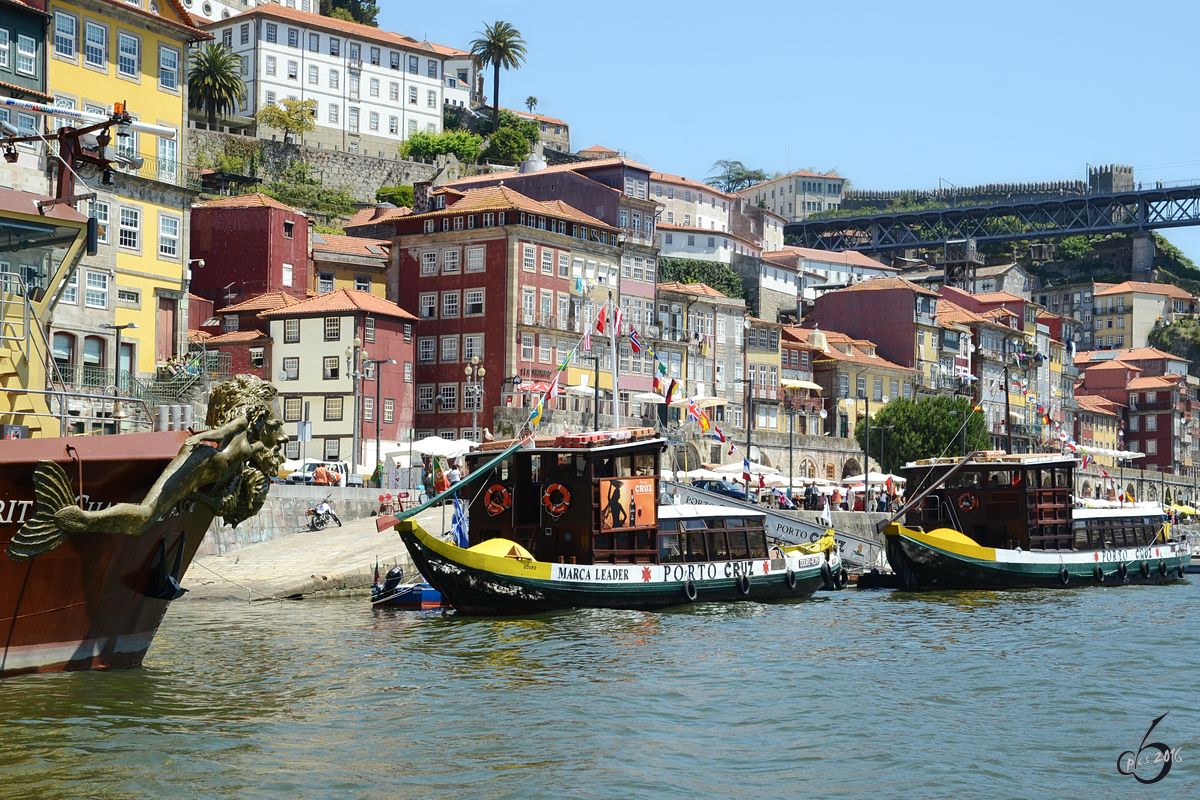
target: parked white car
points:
(305, 473)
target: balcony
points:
(164, 170)
(769, 393)
(354, 64)
(1070, 370)
(989, 353)
(796, 374)
(644, 238)
(807, 405)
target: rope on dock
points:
(249, 599)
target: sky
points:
(894, 95)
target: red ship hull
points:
(89, 603)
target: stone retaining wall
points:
(284, 514)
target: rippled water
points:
(854, 694)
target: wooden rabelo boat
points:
(1009, 521)
(575, 521)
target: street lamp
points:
(375, 363)
(474, 389)
(882, 440)
(353, 372)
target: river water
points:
(873, 694)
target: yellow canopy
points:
(826, 542)
(502, 548)
(791, 383)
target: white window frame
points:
(89, 26)
(172, 73)
(96, 289)
(136, 228)
(170, 228)
(64, 40)
(122, 38)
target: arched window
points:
(64, 355)
(808, 468)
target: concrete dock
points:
(334, 560)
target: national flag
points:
(693, 410)
(459, 527)
(587, 338)
(977, 408)
(671, 390)
(890, 488)
(1045, 419)
(635, 341)
(732, 447)
(601, 317)
(704, 423)
(762, 480)
(746, 469)
(720, 437)
(658, 387)
(618, 315)
(536, 417)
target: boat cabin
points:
(689, 533)
(587, 498)
(1020, 500)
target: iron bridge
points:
(1131, 211)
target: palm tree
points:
(215, 81)
(499, 45)
(531, 103)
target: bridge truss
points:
(1089, 214)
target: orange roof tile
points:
(351, 245)
(358, 31)
(198, 336)
(597, 149)
(949, 312)
(998, 297)
(256, 200)
(846, 257)
(1095, 404)
(538, 117)
(263, 302)
(1155, 382)
(574, 166)
(837, 343)
(690, 288)
(1114, 364)
(375, 214)
(236, 337)
(881, 282)
(1132, 354)
(679, 180)
(342, 300)
(1146, 288)
(503, 198)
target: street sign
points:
(304, 431)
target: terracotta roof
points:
(23, 89)
(837, 342)
(375, 215)
(503, 198)
(198, 336)
(1132, 354)
(998, 297)
(690, 288)
(1154, 382)
(256, 200)
(1114, 364)
(36, 5)
(949, 312)
(1096, 404)
(574, 166)
(597, 149)
(1146, 288)
(352, 245)
(198, 297)
(236, 337)
(679, 180)
(354, 29)
(342, 300)
(538, 117)
(881, 283)
(263, 302)
(845, 257)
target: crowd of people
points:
(813, 499)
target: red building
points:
(886, 311)
(492, 274)
(250, 245)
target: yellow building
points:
(850, 371)
(1098, 423)
(134, 290)
(349, 262)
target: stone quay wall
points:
(284, 513)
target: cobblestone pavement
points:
(303, 563)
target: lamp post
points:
(353, 371)
(882, 440)
(474, 387)
(375, 364)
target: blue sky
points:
(894, 94)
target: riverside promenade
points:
(332, 561)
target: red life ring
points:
(497, 505)
(556, 509)
(968, 502)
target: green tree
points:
(531, 103)
(296, 187)
(924, 428)
(294, 117)
(506, 144)
(499, 45)
(215, 81)
(465, 146)
(526, 127)
(363, 12)
(691, 270)
(729, 176)
(400, 196)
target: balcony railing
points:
(639, 236)
(767, 392)
(79, 376)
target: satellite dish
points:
(282, 375)
(824, 413)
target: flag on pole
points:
(671, 390)
(658, 387)
(732, 447)
(762, 480)
(536, 417)
(459, 526)
(601, 317)
(716, 432)
(746, 469)
(635, 341)
(651, 352)
(376, 569)
(618, 315)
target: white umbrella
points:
(437, 446)
(701, 402)
(876, 477)
(649, 397)
(736, 467)
(704, 474)
(581, 389)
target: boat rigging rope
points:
(239, 585)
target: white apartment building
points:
(373, 88)
(214, 10)
(799, 194)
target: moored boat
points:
(1008, 521)
(393, 593)
(574, 521)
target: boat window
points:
(670, 550)
(1062, 478)
(694, 543)
(644, 465)
(717, 524)
(734, 522)
(622, 541)
(758, 544)
(693, 524)
(964, 480)
(602, 541)
(623, 466)
(564, 460)
(535, 469)
(718, 548)
(738, 547)
(643, 539)
(1033, 479)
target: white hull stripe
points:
(60, 653)
(1123, 555)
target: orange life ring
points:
(968, 502)
(559, 508)
(497, 505)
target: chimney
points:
(421, 201)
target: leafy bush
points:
(507, 144)
(465, 146)
(401, 196)
(297, 188)
(691, 270)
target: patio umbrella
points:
(437, 446)
(735, 467)
(649, 397)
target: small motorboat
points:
(394, 593)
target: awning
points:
(790, 383)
